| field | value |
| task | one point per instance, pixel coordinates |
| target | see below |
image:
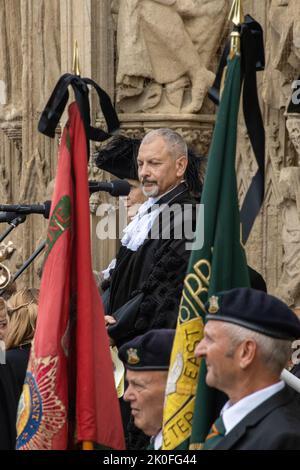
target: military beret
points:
(151, 351)
(256, 311)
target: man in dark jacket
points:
(146, 283)
(246, 345)
(147, 360)
(9, 395)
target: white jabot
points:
(233, 414)
(136, 232)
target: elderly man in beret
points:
(147, 359)
(246, 345)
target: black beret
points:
(255, 310)
(151, 351)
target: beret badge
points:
(132, 356)
(213, 304)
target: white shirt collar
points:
(233, 414)
(136, 232)
(158, 441)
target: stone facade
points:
(156, 59)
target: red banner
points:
(69, 388)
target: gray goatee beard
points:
(151, 192)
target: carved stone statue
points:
(283, 49)
(165, 52)
(293, 127)
(289, 283)
(275, 148)
(289, 187)
(10, 60)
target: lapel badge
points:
(213, 304)
(132, 356)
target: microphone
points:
(26, 209)
(12, 211)
(114, 188)
(8, 216)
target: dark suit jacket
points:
(274, 425)
(9, 395)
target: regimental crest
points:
(132, 356)
(213, 304)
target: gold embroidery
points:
(213, 304)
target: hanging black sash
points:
(253, 60)
(55, 107)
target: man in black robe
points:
(146, 284)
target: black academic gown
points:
(273, 425)
(156, 269)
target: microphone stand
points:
(93, 187)
(34, 255)
(13, 224)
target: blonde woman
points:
(22, 311)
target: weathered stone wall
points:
(156, 58)
(36, 48)
(273, 247)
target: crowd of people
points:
(246, 342)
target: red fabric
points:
(71, 313)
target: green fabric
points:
(151, 445)
(219, 265)
(215, 435)
(222, 247)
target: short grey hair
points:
(274, 352)
(175, 143)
